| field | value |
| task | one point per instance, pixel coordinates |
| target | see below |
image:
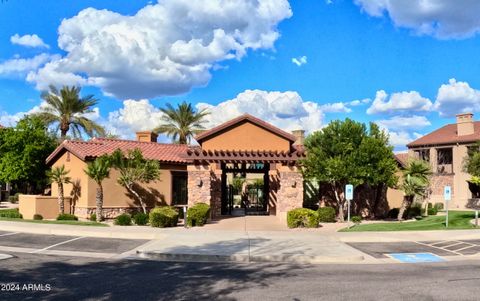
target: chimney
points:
(300, 137)
(465, 124)
(146, 136)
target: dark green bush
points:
(393, 213)
(432, 211)
(67, 217)
(413, 211)
(93, 217)
(326, 215)
(302, 218)
(14, 198)
(37, 217)
(163, 217)
(198, 214)
(10, 213)
(356, 219)
(123, 219)
(140, 218)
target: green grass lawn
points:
(9, 215)
(456, 220)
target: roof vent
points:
(465, 124)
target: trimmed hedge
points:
(93, 217)
(414, 211)
(356, 219)
(67, 217)
(302, 218)
(140, 219)
(37, 217)
(10, 213)
(163, 217)
(432, 211)
(198, 214)
(393, 213)
(14, 198)
(326, 215)
(123, 219)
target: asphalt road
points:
(74, 278)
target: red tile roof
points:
(246, 117)
(402, 159)
(447, 135)
(89, 150)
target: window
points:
(179, 188)
(444, 160)
(422, 154)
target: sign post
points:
(447, 196)
(349, 197)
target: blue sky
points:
(297, 64)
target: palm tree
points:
(67, 109)
(60, 176)
(98, 171)
(415, 182)
(181, 123)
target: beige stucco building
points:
(445, 149)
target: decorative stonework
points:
(290, 192)
(216, 192)
(199, 185)
(108, 213)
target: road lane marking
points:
(7, 234)
(55, 245)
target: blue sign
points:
(447, 193)
(349, 192)
(416, 257)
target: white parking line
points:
(7, 234)
(60, 243)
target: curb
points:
(299, 259)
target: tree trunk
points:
(407, 201)
(137, 196)
(99, 203)
(64, 128)
(378, 193)
(61, 203)
(340, 202)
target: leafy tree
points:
(343, 153)
(134, 169)
(416, 179)
(23, 151)
(66, 109)
(471, 163)
(99, 170)
(60, 176)
(181, 123)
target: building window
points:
(422, 154)
(179, 188)
(444, 160)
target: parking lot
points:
(68, 245)
(438, 247)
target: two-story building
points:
(445, 149)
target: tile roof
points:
(242, 118)
(88, 150)
(447, 135)
(402, 159)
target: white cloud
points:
(404, 123)
(286, 110)
(164, 49)
(399, 102)
(400, 139)
(134, 116)
(456, 97)
(27, 40)
(336, 107)
(439, 18)
(299, 61)
(21, 66)
(10, 120)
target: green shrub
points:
(140, 219)
(37, 217)
(198, 214)
(93, 217)
(123, 219)
(163, 217)
(414, 211)
(356, 219)
(326, 215)
(302, 218)
(14, 198)
(439, 206)
(432, 211)
(393, 213)
(67, 217)
(10, 213)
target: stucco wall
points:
(46, 206)
(246, 136)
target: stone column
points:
(216, 192)
(199, 184)
(290, 192)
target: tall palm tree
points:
(98, 171)
(67, 109)
(416, 179)
(181, 123)
(60, 176)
